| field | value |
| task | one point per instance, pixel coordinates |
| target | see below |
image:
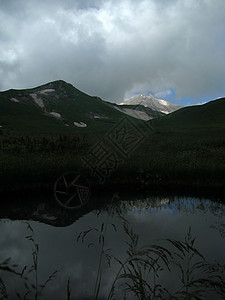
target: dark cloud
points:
(114, 48)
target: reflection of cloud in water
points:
(144, 204)
(144, 215)
(153, 219)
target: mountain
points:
(55, 106)
(59, 106)
(53, 129)
(149, 101)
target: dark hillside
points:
(209, 115)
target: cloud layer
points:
(113, 49)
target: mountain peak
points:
(55, 84)
(153, 103)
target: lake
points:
(87, 247)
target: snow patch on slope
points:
(37, 100)
(46, 91)
(163, 102)
(93, 115)
(80, 124)
(165, 112)
(138, 114)
(14, 100)
(55, 114)
(99, 117)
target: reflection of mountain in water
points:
(147, 203)
(46, 210)
(49, 212)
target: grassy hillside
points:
(20, 117)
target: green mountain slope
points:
(22, 117)
(56, 106)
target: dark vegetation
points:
(29, 162)
(166, 158)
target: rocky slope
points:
(149, 101)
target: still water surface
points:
(56, 231)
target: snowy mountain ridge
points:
(153, 103)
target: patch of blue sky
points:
(171, 96)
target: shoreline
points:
(214, 192)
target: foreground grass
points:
(139, 275)
(194, 158)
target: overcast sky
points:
(174, 49)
